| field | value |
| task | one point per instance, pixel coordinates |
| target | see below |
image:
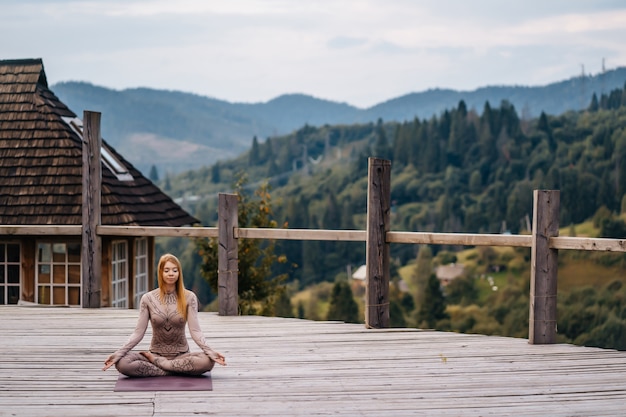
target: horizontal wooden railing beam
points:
(157, 231)
(422, 238)
(586, 243)
(300, 234)
(43, 230)
(465, 239)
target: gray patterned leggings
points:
(135, 364)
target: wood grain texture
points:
(544, 267)
(377, 247)
(228, 256)
(91, 248)
(51, 360)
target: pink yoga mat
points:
(165, 383)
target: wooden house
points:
(41, 184)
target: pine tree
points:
(215, 173)
(283, 306)
(593, 106)
(433, 307)
(342, 305)
(154, 174)
(423, 270)
(544, 126)
(257, 282)
(168, 185)
(382, 148)
(254, 157)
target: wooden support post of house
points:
(227, 256)
(91, 256)
(377, 248)
(543, 268)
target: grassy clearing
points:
(585, 272)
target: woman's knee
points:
(210, 365)
(123, 365)
(202, 363)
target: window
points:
(119, 276)
(141, 269)
(107, 157)
(9, 273)
(58, 273)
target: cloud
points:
(341, 42)
(360, 51)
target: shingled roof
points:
(41, 162)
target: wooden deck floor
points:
(51, 358)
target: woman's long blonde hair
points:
(180, 286)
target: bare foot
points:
(148, 355)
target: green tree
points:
(254, 156)
(613, 228)
(462, 290)
(593, 106)
(342, 305)
(433, 308)
(283, 306)
(382, 148)
(215, 173)
(259, 287)
(475, 182)
(154, 174)
(167, 186)
(423, 270)
(396, 314)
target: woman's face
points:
(170, 273)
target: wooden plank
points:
(543, 268)
(41, 230)
(91, 248)
(377, 248)
(288, 367)
(301, 234)
(228, 256)
(157, 231)
(585, 243)
(422, 238)
(466, 239)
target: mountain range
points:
(177, 131)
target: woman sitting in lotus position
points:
(168, 308)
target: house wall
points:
(105, 300)
(28, 249)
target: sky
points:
(360, 52)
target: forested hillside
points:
(176, 131)
(460, 171)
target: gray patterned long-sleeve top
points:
(168, 326)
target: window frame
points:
(4, 264)
(52, 265)
(141, 279)
(119, 282)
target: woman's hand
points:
(110, 361)
(217, 357)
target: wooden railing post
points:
(543, 268)
(377, 248)
(91, 248)
(227, 256)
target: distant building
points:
(360, 273)
(41, 184)
(447, 273)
